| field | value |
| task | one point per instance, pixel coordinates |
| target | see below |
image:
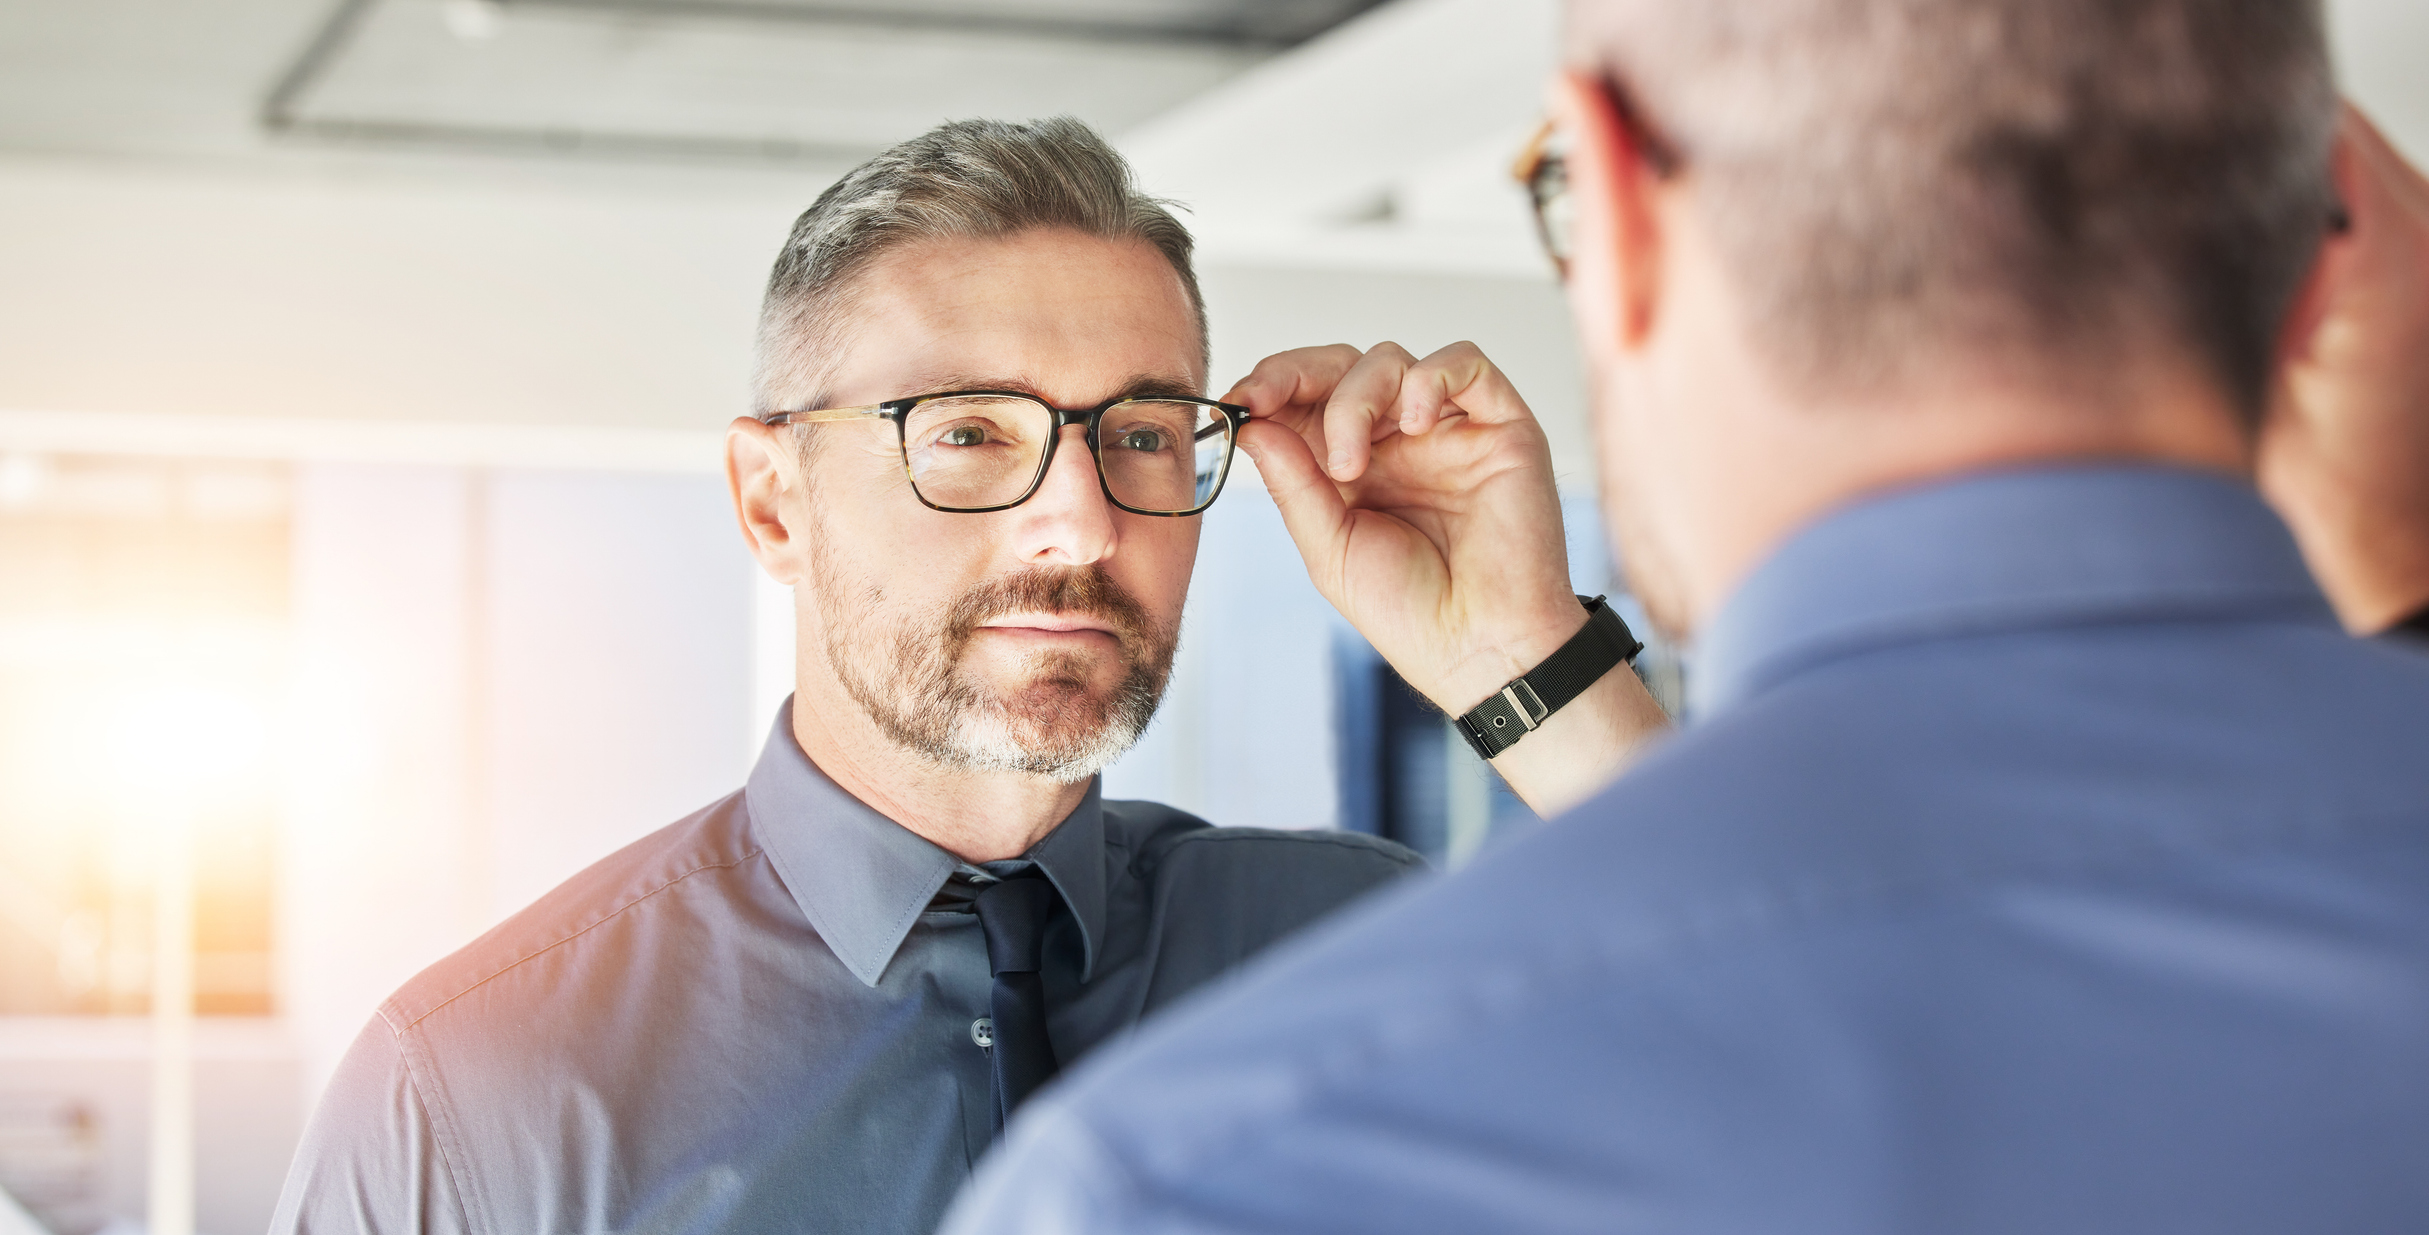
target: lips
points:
(1052, 623)
(1050, 603)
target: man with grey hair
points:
(980, 446)
(2039, 854)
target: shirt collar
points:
(863, 879)
(2003, 551)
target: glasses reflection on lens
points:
(1160, 455)
(975, 451)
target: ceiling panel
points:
(760, 78)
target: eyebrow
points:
(1136, 386)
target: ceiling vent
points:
(783, 80)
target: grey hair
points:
(967, 180)
(1893, 181)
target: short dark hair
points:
(1893, 180)
(970, 179)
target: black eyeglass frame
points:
(1088, 418)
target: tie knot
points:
(1014, 913)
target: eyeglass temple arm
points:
(825, 414)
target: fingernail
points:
(1408, 423)
(1253, 451)
(1340, 462)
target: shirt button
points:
(982, 1031)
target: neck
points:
(1786, 466)
(976, 816)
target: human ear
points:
(1614, 266)
(761, 466)
(2322, 285)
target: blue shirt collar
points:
(2001, 551)
(862, 879)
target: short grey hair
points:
(2045, 181)
(967, 180)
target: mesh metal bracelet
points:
(1605, 643)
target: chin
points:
(1060, 747)
(1057, 723)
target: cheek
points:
(1155, 562)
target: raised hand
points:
(2344, 453)
(1434, 527)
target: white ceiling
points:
(1379, 143)
(820, 82)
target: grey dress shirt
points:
(756, 1020)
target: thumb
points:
(1311, 506)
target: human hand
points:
(2344, 451)
(1434, 527)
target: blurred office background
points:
(362, 371)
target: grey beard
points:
(924, 701)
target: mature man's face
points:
(1036, 639)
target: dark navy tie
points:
(1013, 913)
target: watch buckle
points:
(1524, 701)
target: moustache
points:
(1086, 590)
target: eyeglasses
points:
(974, 451)
(1543, 169)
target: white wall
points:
(128, 288)
(617, 666)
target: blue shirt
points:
(2042, 858)
(761, 1018)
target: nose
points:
(1067, 522)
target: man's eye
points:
(964, 435)
(1148, 440)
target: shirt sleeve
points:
(370, 1161)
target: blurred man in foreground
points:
(2042, 856)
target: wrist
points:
(1504, 655)
(1584, 746)
(1504, 719)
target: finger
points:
(1458, 378)
(1312, 510)
(1302, 376)
(1359, 410)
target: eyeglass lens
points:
(972, 452)
(1548, 184)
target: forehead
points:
(1072, 316)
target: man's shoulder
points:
(1219, 896)
(616, 891)
(1162, 844)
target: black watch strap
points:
(1496, 724)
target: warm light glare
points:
(185, 741)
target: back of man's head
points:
(1895, 183)
(972, 180)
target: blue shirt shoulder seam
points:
(603, 919)
(443, 1129)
